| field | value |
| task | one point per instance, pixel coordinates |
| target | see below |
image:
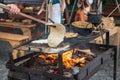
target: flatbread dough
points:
(56, 35)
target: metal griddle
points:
(44, 48)
(67, 44)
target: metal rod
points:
(60, 63)
(113, 11)
(115, 64)
(107, 37)
(46, 18)
(72, 11)
(117, 5)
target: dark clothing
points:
(1, 1)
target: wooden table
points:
(114, 36)
(26, 28)
(17, 39)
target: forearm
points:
(43, 4)
(62, 3)
(62, 6)
(42, 8)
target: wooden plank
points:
(117, 37)
(26, 29)
(10, 36)
(113, 30)
(14, 43)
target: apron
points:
(56, 12)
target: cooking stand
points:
(89, 71)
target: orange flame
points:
(67, 59)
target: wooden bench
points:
(17, 39)
(14, 39)
(26, 28)
(114, 35)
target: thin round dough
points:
(56, 35)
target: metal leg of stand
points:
(117, 4)
(60, 63)
(115, 64)
(107, 38)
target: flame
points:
(67, 59)
(71, 62)
(49, 58)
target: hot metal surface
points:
(67, 44)
(41, 72)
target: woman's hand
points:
(14, 9)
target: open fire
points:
(70, 58)
(68, 65)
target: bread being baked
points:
(56, 35)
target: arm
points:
(42, 7)
(63, 5)
(13, 8)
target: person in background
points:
(54, 10)
(57, 11)
(84, 7)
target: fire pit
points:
(66, 63)
(74, 65)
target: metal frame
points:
(100, 61)
(12, 67)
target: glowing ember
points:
(67, 58)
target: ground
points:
(106, 73)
